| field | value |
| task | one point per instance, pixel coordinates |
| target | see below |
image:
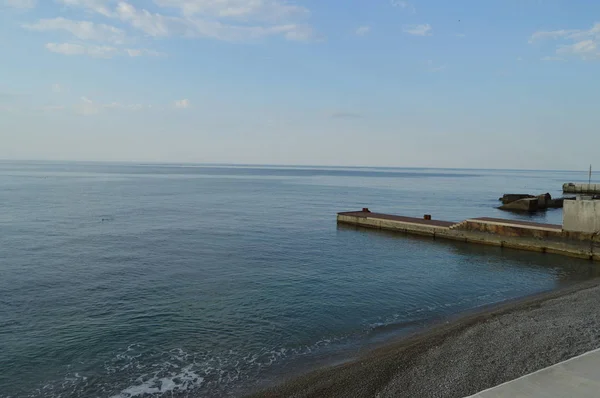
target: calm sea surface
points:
(152, 280)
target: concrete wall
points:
(506, 229)
(581, 216)
(581, 188)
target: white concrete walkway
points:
(574, 378)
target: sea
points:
(182, 280)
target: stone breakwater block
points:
(529, 204)
(544, 201)
(556, 203)
(513, 197)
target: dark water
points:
(125, 280)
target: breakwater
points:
(581, 188)
(522, 235)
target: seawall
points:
(581, 188)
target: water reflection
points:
(566, 269)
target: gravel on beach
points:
(466, 355)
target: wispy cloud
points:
(83, 30)
(95, 51)
(84, 106)
(266, 10)
(79, 49)
(550, 59)
(585, 48)
(554, 34)
(136, 52)
(182, 104)
(432, 67)
(53, 108)
(405, 5)
(88, 107)
(363, 30)
(345, 115)
(419, 30)
(57, 88)
(8, 108)
(22, 4)
(229, 20)
(572, 42)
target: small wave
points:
(141, 371)
(179, 371)
(422, 315)
(381, 327)
(185, 380)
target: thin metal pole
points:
(590, 180)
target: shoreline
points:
(465, 353)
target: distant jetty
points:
(581, 188)
(579, 236)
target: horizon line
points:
(224, 164)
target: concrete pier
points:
(545, 238)
(581, 188)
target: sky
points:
(422, 83)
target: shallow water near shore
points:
(121, 280)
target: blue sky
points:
(432, 83)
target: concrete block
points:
(513, 197)
(544, 201)
(582, 216)
(529, 204)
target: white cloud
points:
(461, 35)
(264, 10)
(155, 25)
(83, 30)
(230, 20)
(56, 88)
(98, 6)
(66, 48)
(555, 34)
(87, 107)
(418, 30)
(294, 32)
(136, 52)
(80, 49)
(585, 48)
(98, 51)
(23, 4)
(573, 42)
(363, 30)
(183, 104)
